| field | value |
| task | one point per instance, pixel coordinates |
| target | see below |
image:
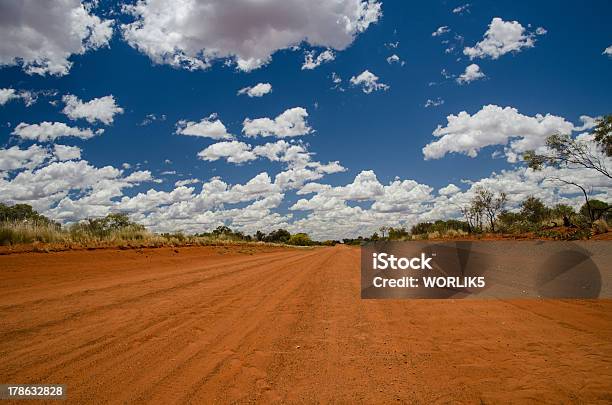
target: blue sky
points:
(557, 65)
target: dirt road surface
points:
(204, 325)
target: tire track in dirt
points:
(114, 292)
(235, 332)
(134, 299)
(286, 326)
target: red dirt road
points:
(269, 324)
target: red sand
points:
(244, 324)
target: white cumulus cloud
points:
(465, 8)
(501, 37)
(311, 62)
(101, 109)
(9, 94)
(65, 152)
(210, 127)
(440, 31)
(233, 151)
(368, 82)
(395, 59)
(192, 34)
(472, 73)
(495, 125)
(49, 131)
(41, 36)
(290, 123)
(259, 90)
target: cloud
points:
(74, 190)
(186, 182)
(233, 151)
(404, 202)
(191, 34)
(210, 127)
(9, 94)
(290, 123)
(48, 188)
(151, 118)
(440, 31)
(42, 36)
(395, 59)
(541, 31)
(368, 82)
(608, 51)
(15, 158)
(101, 109)
(310, 62)
(501, 37)
(449, 190)
(434, 103)
(49, 131)
(282, 151)
(465, 8)
(300, 168)
(472, 73)
(494, 125)
(337, 82)
(64, 152)
(259, 90)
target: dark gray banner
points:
(486, 269)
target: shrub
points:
(600, 226)
(534, 211)
(12, 233)
(300, 239)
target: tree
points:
(565, 151)
(565, 211)
(485, 203)
(421, 228)
(300, 239)
(603, 134)
(595, 210)
(534, 210)
(383, 230)
(397, 233)
(222, 230)
(260, 236)
(278, 236)
(22, 213)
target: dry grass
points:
(13, 233)
(47, 237)
(437, 235)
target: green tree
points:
(563, 211)
(565, 151)
(534, 210)
(595, 210)
(603, 134)
(21, 213)
(278, 236)
(421, 228)
(300, 239)
(490, 205)
(260, 236)
(397, 233)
